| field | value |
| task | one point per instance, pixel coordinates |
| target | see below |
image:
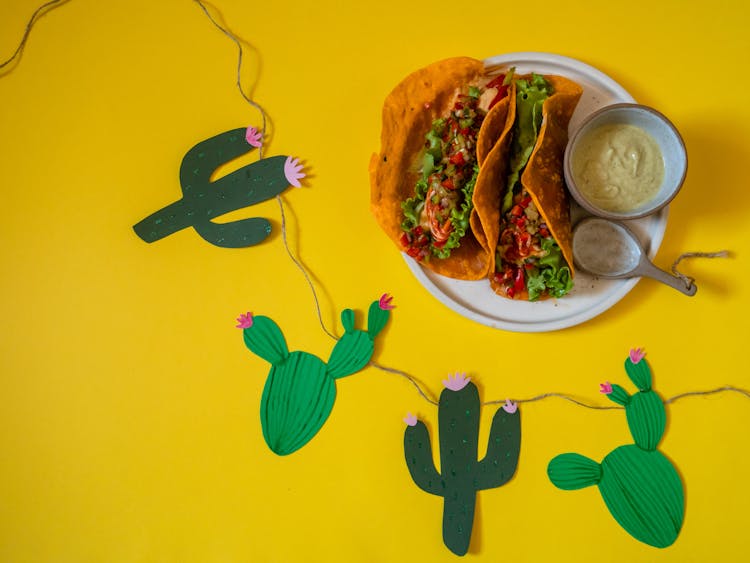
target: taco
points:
(439, 126)
(533, 258)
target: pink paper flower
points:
(245, 320)
(385, 302)
(636, 355)
(510, 407)
(605, 388)
(410, 419)
(293, 171)
(254, 137)
(456, 382)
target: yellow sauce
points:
(618, 167)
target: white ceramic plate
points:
(590, 296)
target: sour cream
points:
(618, 167)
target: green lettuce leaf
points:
(529, 100)
(551, 273)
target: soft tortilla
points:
(408, 113)
(543, 176)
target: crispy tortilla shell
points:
(408, 113)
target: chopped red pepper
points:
(496, 82)
(448, 184)
(516, 211)
(502, 89)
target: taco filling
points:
(437, 217)
(528, 262)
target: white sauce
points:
(618, 167)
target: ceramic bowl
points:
(667, 138)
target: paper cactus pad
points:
(461, 475)
(639, 485)
(301, 388)
(204, 200)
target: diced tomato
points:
(516, 211)
(543, 232)
(519, 221)
(418, 230)
(448, 184)
(519, 282)
(525, 202)
(439, 243)
(458, 106)
(457, 159)
(405, 240)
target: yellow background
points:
(129, 428)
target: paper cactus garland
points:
(301, 388)
(461, 475)
(639, 485)
(204, 200)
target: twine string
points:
(687, 279)
(240, 54)
(32, 20)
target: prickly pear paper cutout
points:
(639, 485)
(203, 200)
(301, 388)
(461, 475)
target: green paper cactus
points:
(461, 475)
(639, 485)
(300, 390)
(204, 200)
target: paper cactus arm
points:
(647, 418)
(571, 472)
(619, 395)
(501, 460)
(378, 315)
(204, 200)
(264, 338)
(297, 399)
(419, 460)
(354, 349)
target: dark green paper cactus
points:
(461, 475)
(301, 388)
(639, 485)
(204, 200)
